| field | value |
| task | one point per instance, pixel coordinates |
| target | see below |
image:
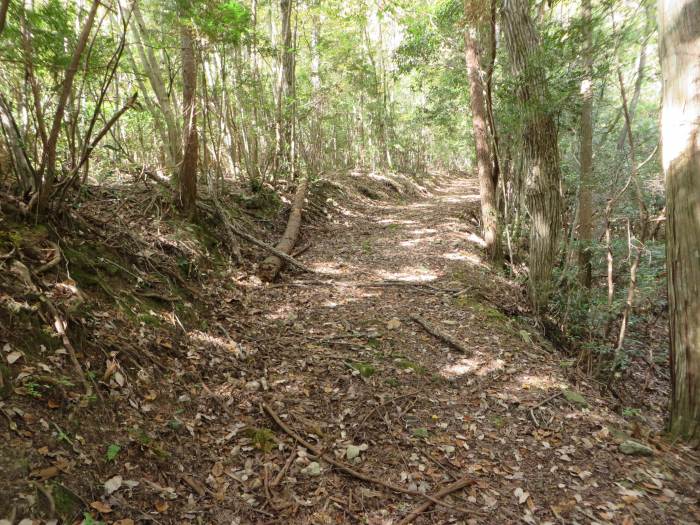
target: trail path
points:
(343, 364)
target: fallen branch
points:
(457, 485)
(271, 249)
(53, 262)
(346, 469)
(272, 265)
(447, 338)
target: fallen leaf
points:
(521, 495)
(112, 485)
(217, 470)
(101, 507)
(12, 357)
(45, 473)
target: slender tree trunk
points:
(4, 5)
(187, 178)
(285, 91)
(47, 170)
(541, 149)
(487, 182)
(20, 161)
(585, 197)
(315, 157)
(679, 37)
(155, 77)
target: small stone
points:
(252, 386)
(633, 448)
(352, 452)
(312, 469)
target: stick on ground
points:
(457, 485)
(350, 471)
(435, 331)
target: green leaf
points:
(112, 451)
(421, 432)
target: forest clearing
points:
(375, 262)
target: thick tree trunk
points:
(487, 182)
(585, 196)
(187, 176)
(272, 265)
(541, 149)
(679, 37)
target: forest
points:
(384, 262)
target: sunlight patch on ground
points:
(463, 256)
(352, 294)
(527, 381)
(412, 243)
(395, 221)
(332, 268)
(472, 237)
(411, 275)
(472, 365)
(216, 342)
(419, 205)
(456, 200)
(423, 231)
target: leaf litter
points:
(514, 433)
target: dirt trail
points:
(339, 359)
(343, 364)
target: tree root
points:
(457, 485)
(350, 471)
(435, 331)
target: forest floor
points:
(339, 358)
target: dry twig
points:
(447, 338)
(350, 471)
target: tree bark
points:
(4, 5)
(283, 158)
(187, 176)
(47, 171)
(679, 37)
(541, 150)
(487, 182)
(585, 195)
(20, 161)
(155, 79)
(272, 265)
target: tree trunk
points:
(20, 161)
(4, 5)
(155, 78)
(273, 264)
(679, 37)
(487, 182)
(187, 177)
(585, 197)
(285, 91)
(47, 171)
(541, 149)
